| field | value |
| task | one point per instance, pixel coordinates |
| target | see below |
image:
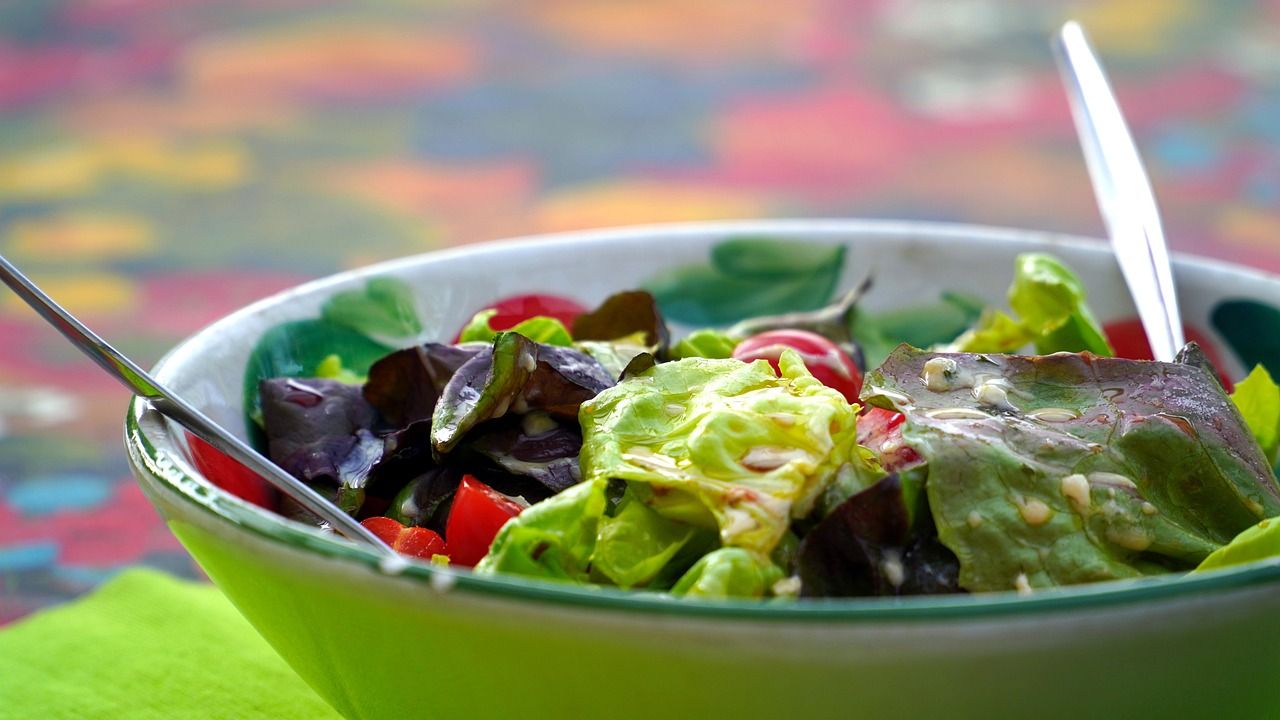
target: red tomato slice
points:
(415, 541)
(1129, 340)
(881, 431)
(823, 358)
(518, 308)
(230, 475)
(384, 528)
(420, 542)
(477, 514)
(514, 310)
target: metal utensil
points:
(1123, 190)
(167, 403)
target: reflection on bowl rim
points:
(175, 474)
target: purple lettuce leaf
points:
(424, 501)
(538, 448)
(624, 314)
(869, 545)
(562, 380)
(321, 432)
(405, 385)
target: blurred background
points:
(163, 162)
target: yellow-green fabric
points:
(146, 646)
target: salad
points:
(805, 454)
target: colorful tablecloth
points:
(165, 161)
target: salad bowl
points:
(378, 641)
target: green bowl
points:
(442, 643)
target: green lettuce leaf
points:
(1259, 542)
(553, 539)
(729, 572)
(721, 443)
(481, 389)
(1067, 468)
(1258, 398)
(1049, 301)
(540, 329)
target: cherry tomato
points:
(416, 541)
(478, 513)
(823, 358)
(230, 475)
(881, 431)
(1129, 340)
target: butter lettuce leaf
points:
(580, 535)
(721, 443)
(636, 543)
(540, 328)
(1071, 468)
(554, 539)
(615, 355)
(729, 572)
(545, 330)
(1259, 542)
(1051, 314)
(1258, 398)
(704, 343)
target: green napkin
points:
(145, 646)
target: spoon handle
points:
(143, 385)
(1123, 190)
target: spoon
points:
(1123, 190)
(174, 407)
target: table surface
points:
(162, 163)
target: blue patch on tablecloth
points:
(45, 494)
